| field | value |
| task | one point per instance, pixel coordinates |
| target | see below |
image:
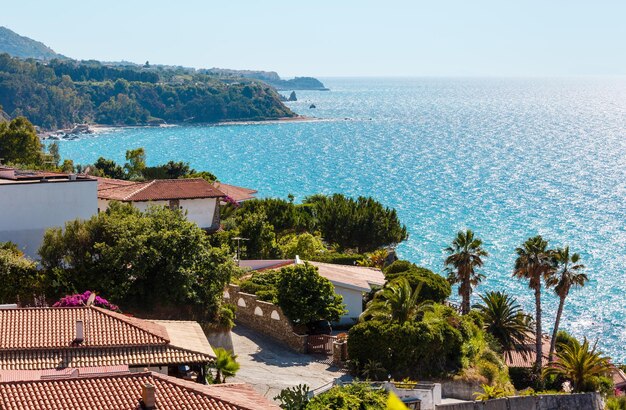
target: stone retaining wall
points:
(264, 317)
(587, 401)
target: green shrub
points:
(355, 396)
(434, 287)
(616, 403)
(339, 258)
(294, 398)
(415, 349)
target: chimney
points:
(72, 177)
(148, 396)
(80, 332)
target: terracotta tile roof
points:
(42, 338)
(43, 328)
(123, 392)
(106, 183)
(23, 375)
(237, 193)
(619, 377)
(161, 189)
(519, 359)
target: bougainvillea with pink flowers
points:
(80, 299)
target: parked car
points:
(320, 327)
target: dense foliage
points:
(61, 93)
(20, 281)
(354, 396)
(279, 228)
(141, 260)
(303, 295)
(433, 286)
(19, 143)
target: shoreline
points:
(100, 128)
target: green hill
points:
(24, 47)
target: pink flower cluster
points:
(80, 299)
(231, 201)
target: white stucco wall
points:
(353, 299)
(200, 211)
(28, 209)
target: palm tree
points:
(534, 262)
(568, 274)
(225, 365)
(579, 364)
(465, 255)
(396, 302)
(505, 320)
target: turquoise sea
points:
(509, 158)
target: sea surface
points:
(508, 158)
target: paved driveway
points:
(270, 367)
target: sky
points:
(338, 38)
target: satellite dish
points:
(91, 299)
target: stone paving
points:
(270, 366)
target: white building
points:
(351, 282)
(33, 201)
(196, 197)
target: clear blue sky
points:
(339, 37)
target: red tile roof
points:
(42, 328)
(161, 189)
(42, 338)
(123, 392)
(237, 193)
(519, 358)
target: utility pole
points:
(239, 239)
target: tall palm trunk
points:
(538, 328)
(465, 304)
(556, 326)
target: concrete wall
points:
(201, 211)
(265, 318)
(460, 389)
(28, 209)
(428, 394)
(585, 401)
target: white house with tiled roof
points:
(33, 201)
(90, 336)
(351, 282)
(127, 391)
(198, 198)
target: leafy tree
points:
(143, 260)
(581, 364)
(225, 365)
(534, 263)
(568, 274)
(294, 398)
(305, 296)
(170, 170)
(19, 142)
(396, 302)
(261, 243)
(108, 168)
(68, 166)
(53, 152)
(304, 245)
(433, 286)
(363, 224)
(505, 320)
(136, 163)
(20, 281)
(465, 255)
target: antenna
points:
(239, 239)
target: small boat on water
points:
(312, 106)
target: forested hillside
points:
(60, 93)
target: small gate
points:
(320, 344)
